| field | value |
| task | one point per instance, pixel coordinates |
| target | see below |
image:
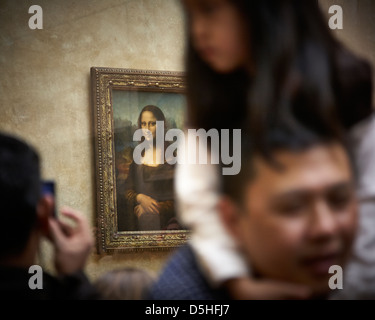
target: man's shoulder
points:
(181, 279)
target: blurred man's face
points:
(297, 222)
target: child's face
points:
(218, 34)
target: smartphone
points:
(48, 188)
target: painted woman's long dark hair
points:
(303, 76)
(159, 116)
(156, 111)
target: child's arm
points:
(197, 193)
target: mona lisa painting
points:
(135, 197)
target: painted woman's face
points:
(218, 34)
(148, 122)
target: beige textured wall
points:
(45, 85)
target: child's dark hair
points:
(291, 47)
(20, 188)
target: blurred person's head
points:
(293, 210)
(125, 284)
(219, 33)
(248, 54)
(24, 212)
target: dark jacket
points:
(181, 279)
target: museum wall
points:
(45, 83)
(45, 94)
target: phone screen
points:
(48, 188)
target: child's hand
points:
(251, 289)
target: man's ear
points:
(44, 212)
(230, 215)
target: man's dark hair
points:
(280, 138)
(19, 193)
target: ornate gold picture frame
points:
(120, 97)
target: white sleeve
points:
(197, 194)
(359, 273)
